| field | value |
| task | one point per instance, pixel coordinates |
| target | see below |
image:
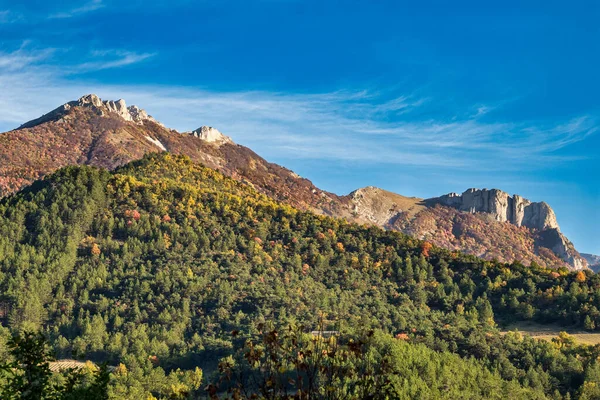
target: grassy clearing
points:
(550, 331)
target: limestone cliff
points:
(487, 223)
(503, 207)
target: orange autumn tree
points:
(95, 250)
(425, 247)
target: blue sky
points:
(420, 98)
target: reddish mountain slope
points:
(478, 222)
(92, 132)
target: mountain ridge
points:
(593, 261)
(109, 134)
(465, 228)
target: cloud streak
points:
(9, 17)
(36, 61)
(20, 58)
(107, 59)
(353, 126)
(86, 8)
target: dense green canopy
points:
(154, 265)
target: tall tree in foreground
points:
(28, 375)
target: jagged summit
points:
(503, 207)
(127, 113)
(211, 135)
(132, 113)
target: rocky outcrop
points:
(593, 261)
(502, 207)
(380, 207)
(211, 135)
(119, 108)
(562, 247)
(131, 113)
(520, 212)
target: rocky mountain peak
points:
(503, 207)
(88, 100)
(380, 206)
(367, 190)
(211, 135)
(119, 107)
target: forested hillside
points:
(108, 134)
(164, 264)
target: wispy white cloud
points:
(482, 110)
(9, 17)
(32, 60)
(86, 8)
(31, 84)
(106, 59)
(22, 57)
(355, 126)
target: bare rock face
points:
(139, 115)
(378, 206)
(593, 261)
(211, 135)
(518, 211)
(561, 246)
(88, 99)
(503, 207)
(365, 206)
(119, 107)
